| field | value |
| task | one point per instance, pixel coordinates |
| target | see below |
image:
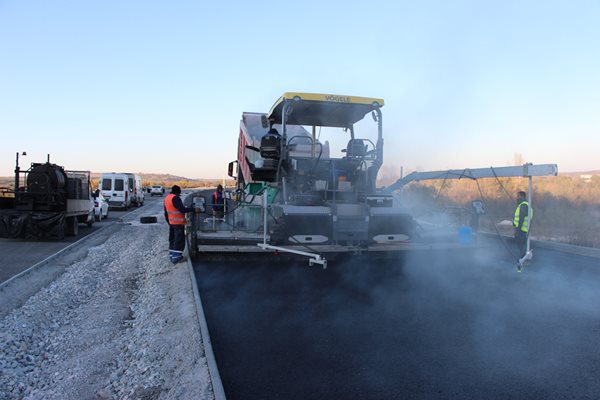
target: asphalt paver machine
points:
(294, 197)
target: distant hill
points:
(161, 177)
(576, 174)
(166, 180)
(6, 181)
(149, 179)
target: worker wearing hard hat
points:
(175, 215)
(521, 223)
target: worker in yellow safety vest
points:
(521, 222)
(175, 215)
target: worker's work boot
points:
(526, 258)
(178, 260)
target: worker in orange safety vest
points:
(175, 215)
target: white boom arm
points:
(526, 170)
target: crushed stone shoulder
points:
(119, 323)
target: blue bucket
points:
(465, 235)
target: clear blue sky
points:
(159, 86)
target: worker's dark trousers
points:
(521, 240)
(176, 242)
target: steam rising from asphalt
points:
(445, 315)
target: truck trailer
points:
(47, 202)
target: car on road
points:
(157, 190)
(100, 207)
(89, 219)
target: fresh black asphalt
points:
(447, 325)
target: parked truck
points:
(47, 202)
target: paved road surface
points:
(448, 326)
(19, 254)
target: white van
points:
(115, 187)
(135, 190)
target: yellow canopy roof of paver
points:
(315, 109)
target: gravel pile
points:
(118, 324)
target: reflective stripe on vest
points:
(525, 226)
(175, 216)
